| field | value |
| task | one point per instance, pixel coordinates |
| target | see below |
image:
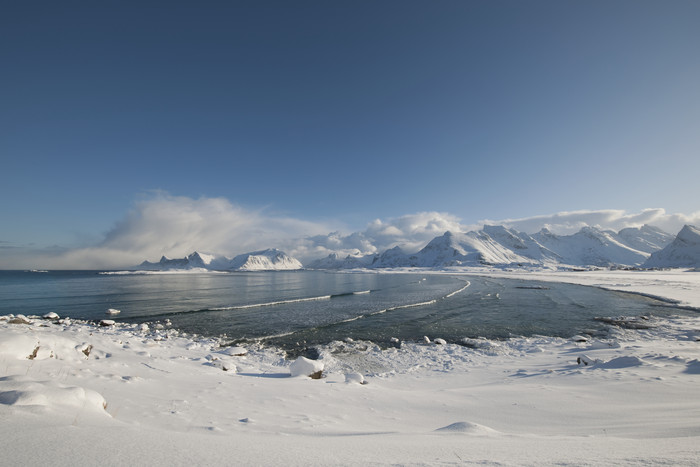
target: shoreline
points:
(172, 400)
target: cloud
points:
(176, 226)
(612, 219)
(411, 232)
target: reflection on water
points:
(291, 309)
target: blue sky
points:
(339, 113)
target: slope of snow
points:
(684, 251)
(591, 247)
(646, 238)
(462, 249)
(521, 243)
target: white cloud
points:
(176, 226)
(613, 219)
(411, 232)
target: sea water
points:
(304, 308)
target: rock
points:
(234, 351)
(302, 366)
(440, 341)
(112, 311)
(51, 315)
(107, 322)
(426, 340)
(586, 360)
(19, 319)
(578, 338)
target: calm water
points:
(289, 309)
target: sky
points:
(260, 123)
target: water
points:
(304, 308)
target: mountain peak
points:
(684, 251)
(689, 234)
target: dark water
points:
(289, 309)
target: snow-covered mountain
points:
(264, 260)
(498, 245)
(645, 238)
(334, 261)
(591, 247)
(683, 252)
(466, 249)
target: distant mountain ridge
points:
(271, 259)
(494, 245)
(500, 246)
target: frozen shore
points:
(76, 393)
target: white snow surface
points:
(73, 393)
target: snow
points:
(126, 394)
(302, 366)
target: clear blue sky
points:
(347, 111)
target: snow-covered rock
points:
(355, 378)
(683, 252)
(302, 366)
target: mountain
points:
(466, 249)
(264, 260)
(645, 238)
(195, 260)
(334, 261)
(521, 243)
(500, 246)
(591, 247)
(682, 252)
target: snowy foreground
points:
(74, 393)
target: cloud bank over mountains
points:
(175, 226)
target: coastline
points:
(525, 401)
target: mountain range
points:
(497, 245)
(264, 260)
(494, 245)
